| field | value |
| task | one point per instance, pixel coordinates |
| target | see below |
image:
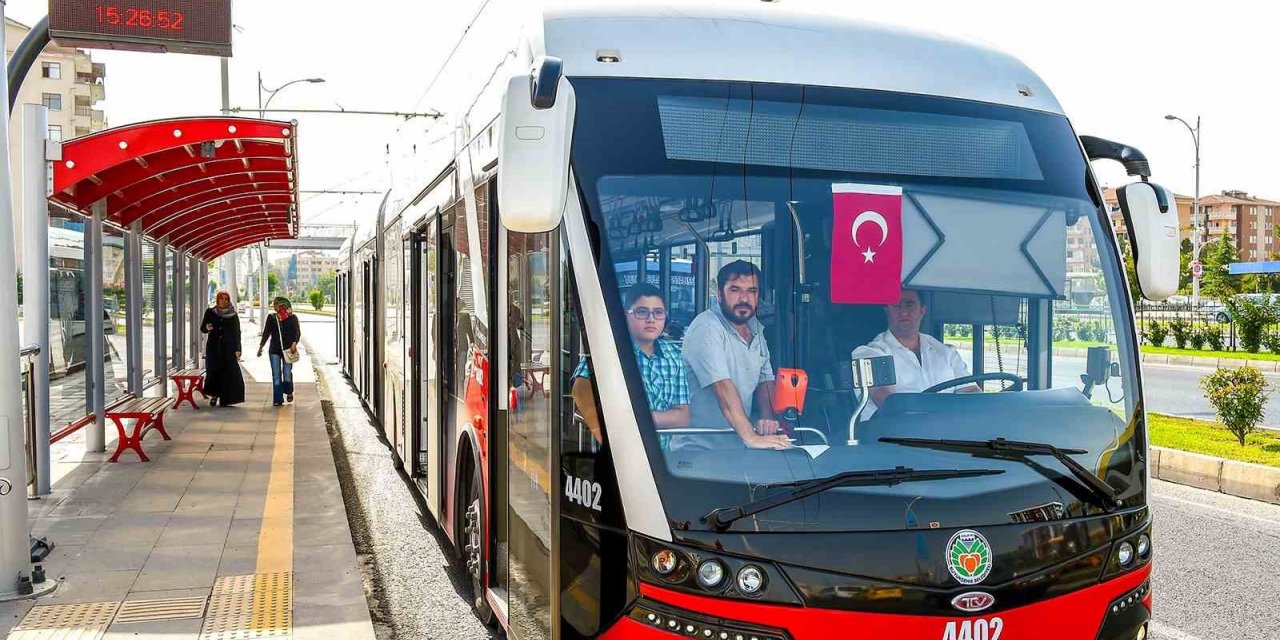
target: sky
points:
(1116, 67)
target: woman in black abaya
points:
(223, 382)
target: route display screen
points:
(200, 27)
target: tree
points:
(273, 282)
(325, 282)
(1239, 396)
(316, 297)
(1216, 282)
(1184, 266)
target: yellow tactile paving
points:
(260, 605)
(275, 541)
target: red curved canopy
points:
(206, 185)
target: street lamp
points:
(262, 247)
(1195, 209)
(272, 92)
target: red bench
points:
(146, 414)
(188, 382)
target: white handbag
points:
(291, 357)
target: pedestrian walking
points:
(284, 333)
(223, 382)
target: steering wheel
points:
(955, 382)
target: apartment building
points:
(1249, 220)
(70, 84)
(303, 269)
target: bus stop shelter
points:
(197, 188)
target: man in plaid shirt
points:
(661, 364)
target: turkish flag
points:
(866, 246)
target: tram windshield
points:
(759, 240)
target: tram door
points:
(366, 338)
(426, 362)
(532, 478)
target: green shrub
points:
(1251, 320)
(1239, 396)
(317, 299)
(1156, 333)
(1181, 330)
(1197, 339)
(1213, 337)
(1062, 328)
(1272, 342)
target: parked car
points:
(1224, 314)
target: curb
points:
(1241, 479)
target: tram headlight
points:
(665, 562)
(710, 574)
(1144, 546)
(1124, 554)
(751, 580)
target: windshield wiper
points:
(721, 518)
(1104, 494)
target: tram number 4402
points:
(980, 629)
(583, 492)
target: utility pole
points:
(232, 287)
(1196, 229)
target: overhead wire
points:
(445, 64)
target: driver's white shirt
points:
(938, 362)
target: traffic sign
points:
(1197, 269)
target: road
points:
(1173, 390)
(1217, 556)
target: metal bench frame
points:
(188, 382)
(147, 414)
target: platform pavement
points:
(237, 524)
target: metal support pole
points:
(180, 321)
(133, 305)
(161, 305)
(226, 86)
(95, 332)
(195, 314)
(202, 269)
(233, 280)
(262, 287)
(15, 559)
(1197, 223)
(35, 266)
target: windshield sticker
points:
(866, 248)
(968, 557)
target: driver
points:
(919, 360)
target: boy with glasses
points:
(660, 362)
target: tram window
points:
(469, 329)
(682, 287)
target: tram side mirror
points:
(533, 150)
(1152, 217)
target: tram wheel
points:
(473, 547)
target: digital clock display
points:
(179, 26)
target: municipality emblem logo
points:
(968, 557)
